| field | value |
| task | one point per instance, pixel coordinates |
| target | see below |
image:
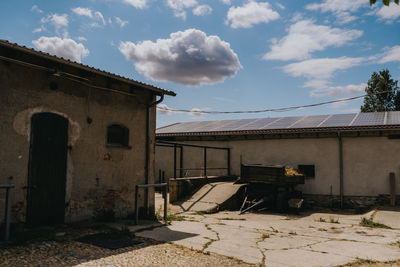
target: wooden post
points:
(392, 182)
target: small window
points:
(117, 136)
(307, 170)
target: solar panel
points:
(321, 121)
(365, 119)
(282, 123)
(310, 121)
(237, 124)
(222, 124)
(257, 124)
(393, 117)
(175, 128)
(338, 120)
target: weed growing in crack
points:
(370, 223)
(333, 220)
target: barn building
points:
(347, 158)
(75, 140)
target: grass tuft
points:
(370, 223)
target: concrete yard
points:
(313, 239)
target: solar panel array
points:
(320, 121)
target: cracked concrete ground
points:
(318, 239)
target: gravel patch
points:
(73, 253)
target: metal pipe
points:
(229, 161)
(205, 161)
(174, 161)
(137, 199)
(165, 193)
(181, 162)
(7, 214)
(136, 204)
(341, 169)
(148, 137)
(191, 145)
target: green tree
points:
(385, 2)
(376, 100)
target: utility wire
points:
(283, 109)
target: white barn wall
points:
(367, 161)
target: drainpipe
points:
(341, 168)
(148, 137)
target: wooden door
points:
(47, 170)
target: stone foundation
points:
(333, 201)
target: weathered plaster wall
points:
(367, 161)
(98, 178)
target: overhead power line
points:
(283, 109)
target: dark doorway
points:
(47, 170)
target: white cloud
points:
(330, 91)
(389, 12)
(338, 5)
(179, 7)
(42, 28)
(197, 112)
(305, 37)
(342, 9)
(202, 10)
(57, 20)
(66, 48)
(321, 68)
(120, 22)
(163, 109)
(280, 6)
(81, 38)
(393, 54)
(139, 4)
(100, 17)
(36, 9)
(226, 2)
(189, 57)
(82, 11)
(250, 14)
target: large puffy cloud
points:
(305, 37)
(139, 4)
(66, 48)
(392, 54)
(189, 57)
(250, 14)
(321, 68)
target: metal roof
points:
(32, 51)
(299, 124)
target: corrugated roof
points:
(32, 51)
(319, 123)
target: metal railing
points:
(165, 195)
(175, 146)
(7, 209)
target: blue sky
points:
(221, 54)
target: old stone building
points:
(347, 157)
(75, 140)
